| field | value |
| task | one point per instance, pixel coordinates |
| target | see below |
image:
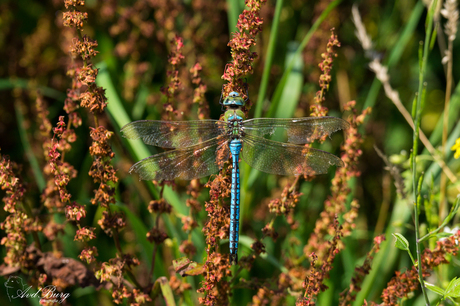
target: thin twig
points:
(394, 171)
(393, 95)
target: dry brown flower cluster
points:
(14, 225)
(319, 271)
(317, 109)
(249, 25)
(92, 97)
(403, 283)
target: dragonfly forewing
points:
(174, 134)
(286, 159)
(189, 163)
(299, 130)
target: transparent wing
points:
(189, 163)
(174, 134)
(286, 159)
(299, 130)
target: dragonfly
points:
(201, 148)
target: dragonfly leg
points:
(220, 100)
(247, 89)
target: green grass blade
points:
(167, 291)
(37, 171)
(24, 84)
(454, 110)
(290, 97)
(407, 34)
(291, 92)
(434, 170)
(288, 94)
(282, 83)
(137, 148)
(162, 284)
(139, 230)
(269, 59)
(396, 52)
(234, 10)
(117, 111)
(140, 103)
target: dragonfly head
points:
(233, 100)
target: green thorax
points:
(232, 114)
(235, 116)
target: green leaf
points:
(433, 38)
(10, 83)
(139, 230)
(162, 284)
(290, 95)
(453, 289)
(434, 288)
(401, 242)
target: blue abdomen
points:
(235, 148)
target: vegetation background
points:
(75, 218)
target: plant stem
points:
(155, 248)
(445, 127)
(152, 267)
(418, 245)
(416, 114)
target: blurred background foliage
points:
(134, 43)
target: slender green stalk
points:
(416, 114)
(417, 243)
(268, 59)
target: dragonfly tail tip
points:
(233, 259)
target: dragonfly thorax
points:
(235, 128)
(234, 114)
